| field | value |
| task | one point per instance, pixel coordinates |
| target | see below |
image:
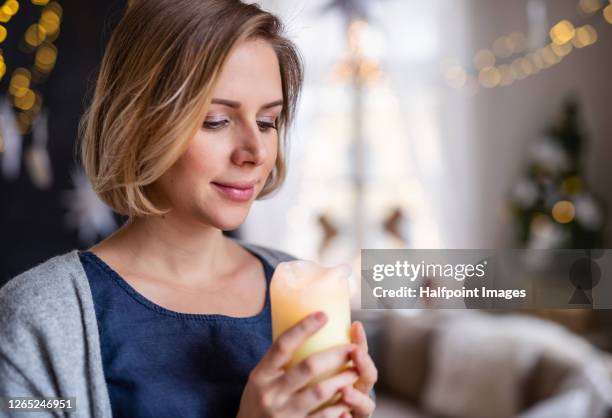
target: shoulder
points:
(48, 335)
(272, 256)
(42, 289)
(44, 310)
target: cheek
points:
(200, 161)
(193, 163)
(273, 152)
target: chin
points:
(228, 219)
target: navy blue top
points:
(161, 363)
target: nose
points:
(251, 147)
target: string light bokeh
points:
(37, 42)
(509, 59)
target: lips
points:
(238, 191)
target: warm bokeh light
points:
(585, 35)
(562, 32)
(563, 211)
(607, 13)
(538, 60)
(455, 76)
(549, 56)
(503, 47)
(20, 82)
(564, 35)
(489, 77)
(10, 7)
(35, 35)
(589, 6)
(484, 59)
(562, 50)
(342, 72)
(519, 41)
(517, 69)
(26, 101)
(369, 71)
(50, 20)
(54, 7)
(38, 38)
(45, 58)
(527, 66)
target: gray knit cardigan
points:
(49, 345)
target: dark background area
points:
(32, 221)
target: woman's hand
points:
(272, 391)
(357, 398)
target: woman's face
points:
(230, 157)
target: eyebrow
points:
(236, 105)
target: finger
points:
(358, 335)
(360, 403)
(313, 396)
(334, 411)
(315, 365)
(287, 343)
(368, 373)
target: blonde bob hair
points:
(154, 88)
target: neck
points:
(170, 247)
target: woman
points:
(167, 317)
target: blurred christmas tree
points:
(551, 203)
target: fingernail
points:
(320, 317)
(361, 331)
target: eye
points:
(215, 124)
(265, 126)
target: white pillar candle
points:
(300, 288)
